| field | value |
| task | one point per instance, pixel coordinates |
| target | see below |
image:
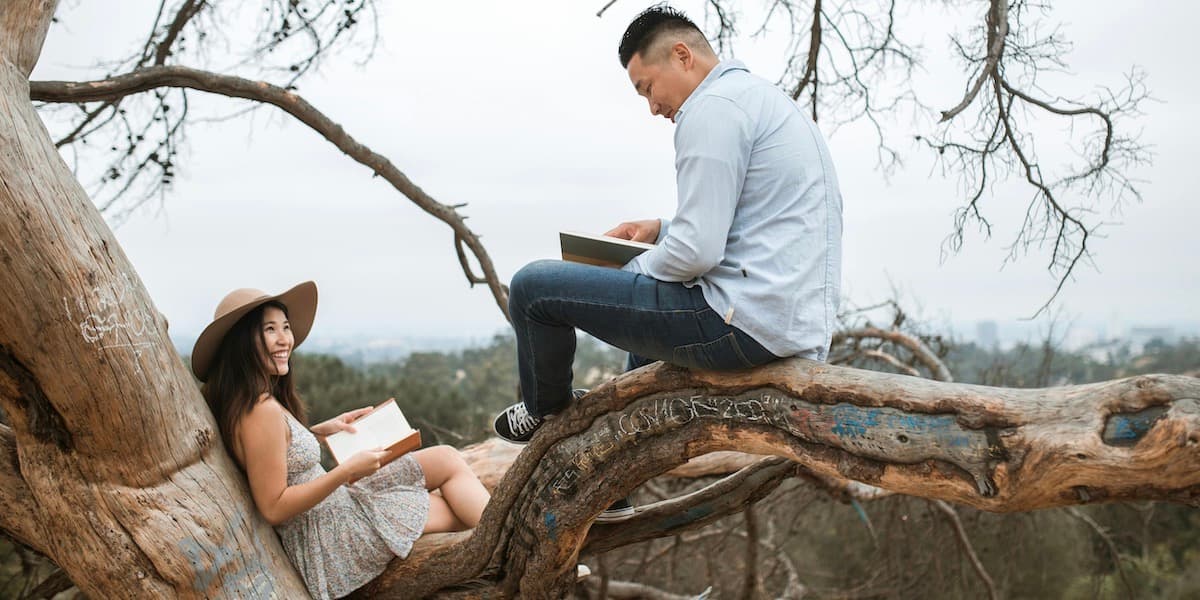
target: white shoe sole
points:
(616, 516)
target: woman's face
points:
(277, 340)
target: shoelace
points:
(520, 421)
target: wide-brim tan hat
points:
(301, 303)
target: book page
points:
(380, 428)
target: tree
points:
(111, 467)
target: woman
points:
(339, 535)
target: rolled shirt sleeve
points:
(713, 141)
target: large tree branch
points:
(995, 449)
(258, 91)
(23, 27)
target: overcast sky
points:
(521, 110)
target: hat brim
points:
(301, 303)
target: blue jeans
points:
(650, 319)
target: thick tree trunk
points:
(112, 466)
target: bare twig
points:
(964, 542)
(750, 582)
(600, 13)
(1102, 533)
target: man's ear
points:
(683, 54)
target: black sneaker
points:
(621, 510)
(514, 424)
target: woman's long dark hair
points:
(238, 377)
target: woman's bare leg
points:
(441, 518)
(462, 494)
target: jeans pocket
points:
(721, 354)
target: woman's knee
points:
(446, 459)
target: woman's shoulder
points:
(264, 424)
(266, 407)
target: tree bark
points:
(112, 467)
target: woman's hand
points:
(342, 422)
(363, 463)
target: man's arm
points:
(712, 152)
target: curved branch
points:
(937, 368)
(258, 91)
(882, 357)
(671, 517)
(991, 448)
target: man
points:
(747, 271)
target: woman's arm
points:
(263, 435)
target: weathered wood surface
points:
(112, 467)
(994, 449)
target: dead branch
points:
(999, 143)
(964, 542)
(1113, 553)
(919, 349)
(992, 448)
(153, 78)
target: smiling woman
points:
(341, 527)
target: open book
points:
(384, 427)
(599, 249)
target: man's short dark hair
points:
(647, 27)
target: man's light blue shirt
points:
(759, 221)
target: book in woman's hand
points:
(384, 427)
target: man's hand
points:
(638, 231)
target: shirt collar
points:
(716, 73)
